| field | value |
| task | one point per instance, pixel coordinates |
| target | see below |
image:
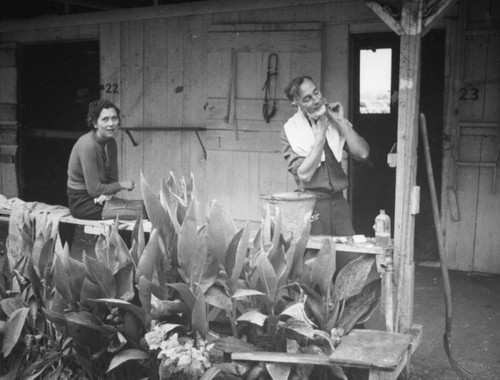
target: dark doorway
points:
(375, 74)
(56, 83)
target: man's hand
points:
(336, 111)
(319, 131)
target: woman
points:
(93, 166)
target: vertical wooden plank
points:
(194, 96)
(155, 100)
(492, 85)
(273, 176)
(487, 241)
(336, 68)
(472, 89)
(250, 73)
(175, 81)
(240, 183)
(110, 62)
(132, 66)
(219, 167)
(253, 175)
(410, 52)
(460, 236)
(452, 68)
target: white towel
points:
(301, 137)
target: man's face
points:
(107, 123)
(309, 98)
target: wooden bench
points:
(93, 227)
(382, 353)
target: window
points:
(375, 81)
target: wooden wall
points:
(160, 67)
(160, 63)
(472, 158)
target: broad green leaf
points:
(278, 261)
(76, 273)
(90, 290)
(323, 267)
(169, 202)
(300, 247)
(125, 282)
(185, 293)
(241, 293)
(145, 291)
(120, 248)
(105, 254)
(279, 371)
(37, 252)
(15, 325)
(154, 208)
(56, 303)
(220, 231)
(352, 278)
(162, 308)
(138, 237)
(198, 266)
(266, 227)
(126, 355)
(199, 316)
(297, 311)
(232, 249)
(361, 306)
(300, 327)
(62, 281)
(216, 297)
(253, 316)
(46, 257)
(100, 275)
(134, 253)
(316, 305)
(11, 304)
(147, 262)
(267, 277)
(56, 318)
(210, 373)
(114, 302)
(234, 265)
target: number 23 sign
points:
(467, 94)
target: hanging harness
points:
(268, 108)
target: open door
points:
(374, 109)
(375, 74)
(56, 83)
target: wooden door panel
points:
(244, 158)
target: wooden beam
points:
(440, 6)
(408, 109)
(153, 12)
(385, 16)
(89, 4)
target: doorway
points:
(375, 77)
(56, 83)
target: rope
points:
(268, 111)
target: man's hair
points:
(292, 90)
(95, 109)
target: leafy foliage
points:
(115, 313)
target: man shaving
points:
(313, 141)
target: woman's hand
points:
(127, 185)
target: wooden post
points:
(404, 220)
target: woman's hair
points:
(292, 90)
(95, 109)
